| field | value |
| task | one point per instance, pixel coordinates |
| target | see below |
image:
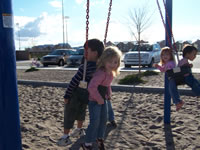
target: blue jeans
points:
(193, 83)
(98, 118)
(174, 91)
(111, 115)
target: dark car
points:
(76, 59)
(57, 57)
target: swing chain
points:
(86, 46)
(170, 27)
(108, 19)
(87, 25)
(164, 24)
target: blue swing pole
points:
(10, 137)
(167, 97)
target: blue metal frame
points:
(167, 97)
(10, 136)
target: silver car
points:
(77, 58)
(57, 57)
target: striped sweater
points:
(91, 68)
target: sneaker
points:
(113, 124)
(84, 147)
(179, 105)
(64, 141)
(77, 132)
(100, 144)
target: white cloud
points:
(56, 3)
(97, 2)
(22, 20)
(45, 29)
(49, 30)
(79, 1)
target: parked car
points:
(57, 57)
(77, 58)
(149, 54)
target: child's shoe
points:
(84, 147)
(100, 144)
(64, 141)
(179, 105)
(77, 132)
(113, 124)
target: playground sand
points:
(66, 76)
(139, 118)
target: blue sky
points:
(40, 21)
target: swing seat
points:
(178, 74)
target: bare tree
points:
(139, 21)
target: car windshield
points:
(79, 52)
(145, 47)
(56, 52)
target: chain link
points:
(108, 20)
(87, 26)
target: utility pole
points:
(18, 35)
(66, 17)
(63, 20)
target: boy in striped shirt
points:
(74, 108)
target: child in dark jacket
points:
(75, 109)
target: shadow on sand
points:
(169, 137)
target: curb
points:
(116, 88)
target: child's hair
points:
(95, 45)
(163, 52)
(188, 49)
(109, 53)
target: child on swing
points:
(167, 63)
(189, 53)
(99, 93)
(74, 108)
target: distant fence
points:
(38, 54)
(22, 55)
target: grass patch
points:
(131, 79)
(149, 73)
(136, 78)
(31, 69)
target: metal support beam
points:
(10, 137)
(167, 97)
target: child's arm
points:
(161, 68)
(74, 82)
(93, 87)
(66, 101)
(165, 67)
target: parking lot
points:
(27, 64)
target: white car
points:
(149, 54)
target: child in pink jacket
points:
(99, 92)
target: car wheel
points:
(127, 66)
(45, 65)
(151, 63)
(61, 63)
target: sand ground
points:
(139, 117)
